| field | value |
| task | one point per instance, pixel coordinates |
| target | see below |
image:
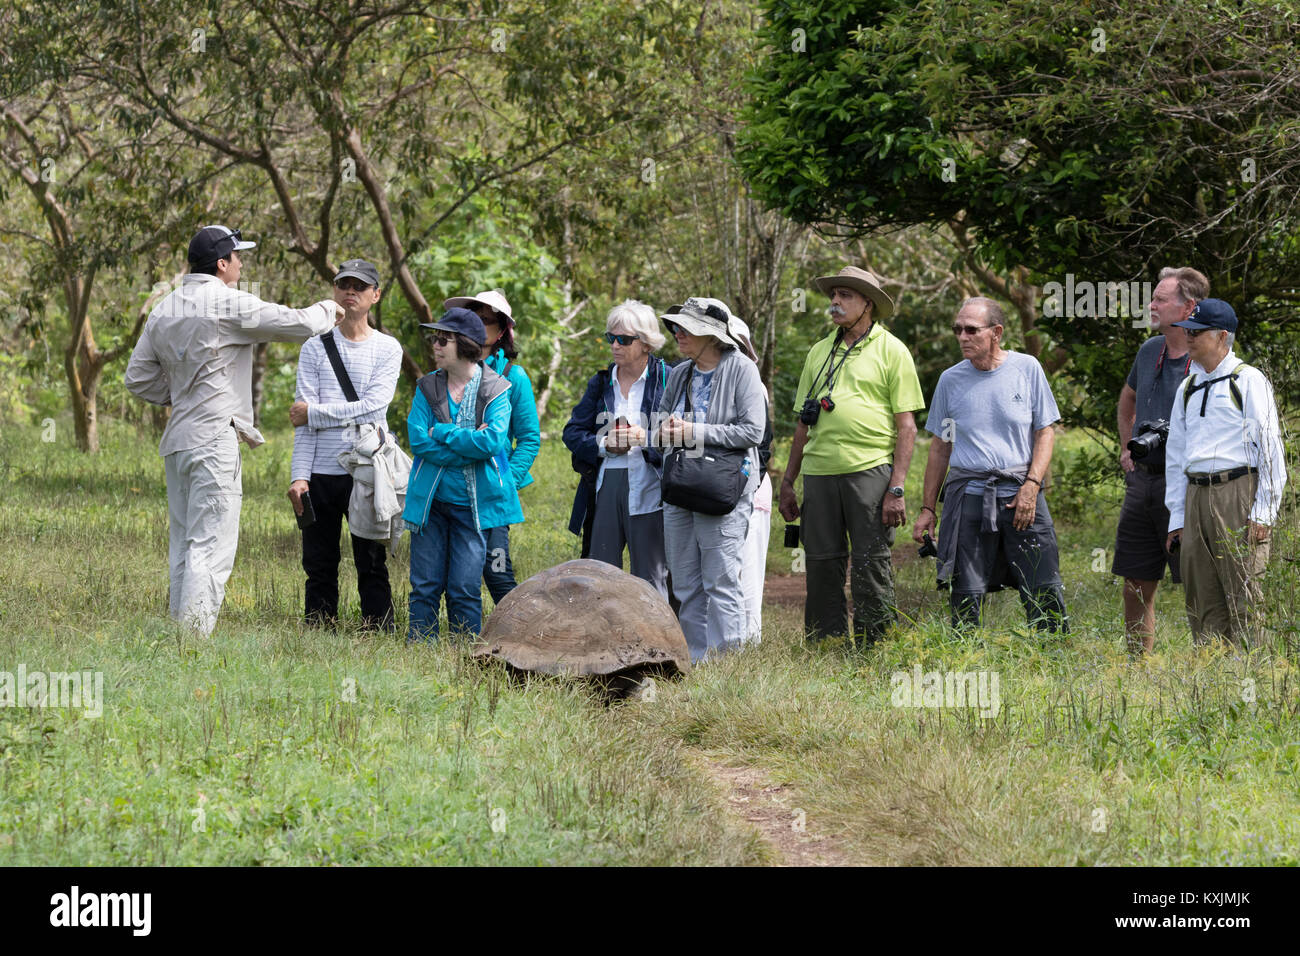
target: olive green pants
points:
(1220, 564)
(841, 519)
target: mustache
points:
(835, 310)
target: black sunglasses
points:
(348, 282)
(969, 329)
(1193, 333)
(672, 328)
(611, 338)
(437, 338)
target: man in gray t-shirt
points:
(992, 417)
(1147, 396)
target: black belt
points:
(1222, 477)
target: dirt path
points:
(775, 812)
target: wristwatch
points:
(896, 491)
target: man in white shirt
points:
(196, 355)
(322, 415)
(1224, 477)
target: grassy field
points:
(269, 744)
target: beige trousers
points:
(1220, 564)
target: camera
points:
(927, 548)
(1150, 436)
(813, 408)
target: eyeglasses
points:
(1193, 333)
(611, 338)
(960, 330)
(437, 338)
(356, 285)
(673, 328)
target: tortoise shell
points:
(585, 618)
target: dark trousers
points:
(498, 572)
(841, 519)
(320, 559)
(1029, 559)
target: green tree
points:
(1102, 140)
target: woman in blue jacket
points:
(525, 438)
(458, 429)
(609, 435)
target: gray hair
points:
(993, 313)
(1232, 337)
(640, 318)
(1192, 285)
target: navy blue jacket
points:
(582, 428)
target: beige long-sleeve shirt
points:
(196, 355)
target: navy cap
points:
(462, 321)
(1211, 314)
(359, 269)
(216, 242)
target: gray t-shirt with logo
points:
(1155, 388)
(990, 417)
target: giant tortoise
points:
(587, 619)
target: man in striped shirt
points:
(321, 413)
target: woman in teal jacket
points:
(458, 430)
(525, 439)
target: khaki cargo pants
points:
(1220, 565)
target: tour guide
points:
(854, 445)
(196, 355)
(1224, 478)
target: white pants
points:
(754, 567)
(204, 495)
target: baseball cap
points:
(216, 242)
(462, 321)
(359, 269)
(1211, 314)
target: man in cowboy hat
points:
(853, 445)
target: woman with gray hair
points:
(715, 400)
(618, 503)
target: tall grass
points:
(269, 743)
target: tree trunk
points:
(83, 386)
(260, 354)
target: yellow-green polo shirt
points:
(877, 382)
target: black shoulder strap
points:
(332, 350)
(434, 388)
(490, 385)
(1231, 378)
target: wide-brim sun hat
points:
(492, 297)
(859, 280)
(699, 317)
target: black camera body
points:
(1150, 436)
(813, 408)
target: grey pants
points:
(705, 556)
(643, 535)
(836, 508)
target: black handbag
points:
(705, 479)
